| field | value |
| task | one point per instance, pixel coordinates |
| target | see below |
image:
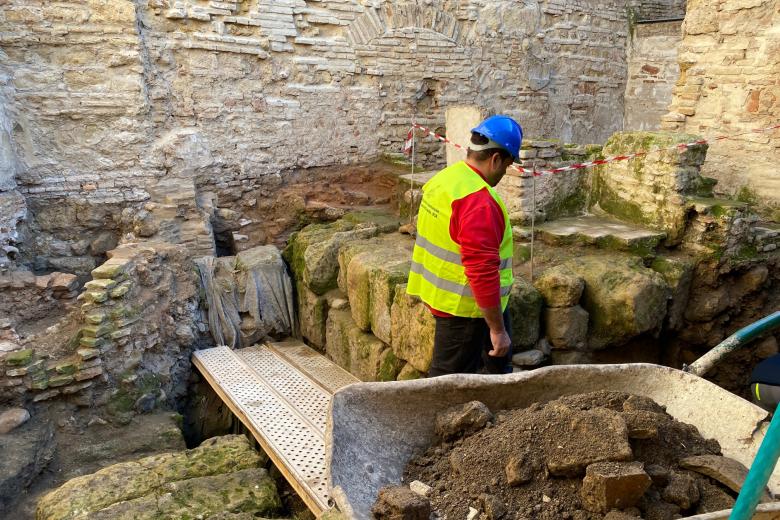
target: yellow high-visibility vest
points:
(437, 275)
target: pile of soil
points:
(529, 463)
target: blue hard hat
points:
(503, 130)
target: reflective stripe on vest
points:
(437, 274)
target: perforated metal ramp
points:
(281, 392)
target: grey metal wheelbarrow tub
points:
(375, 428)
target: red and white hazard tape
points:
(580, 166)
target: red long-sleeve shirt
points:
(477, 226)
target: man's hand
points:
(501, 343)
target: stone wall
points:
(648, 10)
(105, 98)
(652, 73)
(730, 60)
(129, 341)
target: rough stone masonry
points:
(103, 98)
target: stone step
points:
(714, 206)
(599, 231)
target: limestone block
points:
(395, 502)
(413, 328)
(560, 287)
(337, 337)
(647, 190)
(313, 252)
(566, 327)
(622, 297)
(359, 352)
(371, 278)
(408, 372)
(678, 274)
(613, 485)
(597, 435)
(525, 307)
(13, 418)
(312, 315)
(125, 483)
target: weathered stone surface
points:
(401, 503)
(652, 68)
(461, 420)
(312, 315)
(649, 190)
(243, 490)
(13, 418)
(361, 353)
(413, 328)
(372, 275)
(725, 470)
(678, 274)
(560, 287)
(408, 372)
(26, 451)
(129, 488)
(622, 297)
(613, 485)
(586, 437)
(313, 252)
(701, 96)
(566, 327)
(529, 358)
(525, 306)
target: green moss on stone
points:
(19, 358)
(748, 196)
(389, 366)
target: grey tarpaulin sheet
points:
(249, 296)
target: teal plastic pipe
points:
(760, 471)
(703, 365)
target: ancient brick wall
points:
(652, 73)
(105, 97)
(730, 61)
(658, 9)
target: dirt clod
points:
(530, 463)
(681, 490)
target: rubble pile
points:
(602, 455)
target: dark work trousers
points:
(461, 346)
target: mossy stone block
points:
(100, 284)
(96, 296)
(408, 372)
(525, 308)
(413, 328)
(120, 291)
(61, 380)
(222, 474)
(19, 358)
(622, 297)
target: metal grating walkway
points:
(281, 392)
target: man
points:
(462, 260)
(765, 383)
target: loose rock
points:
(611, 485)
(13, 418)
(462, 420)
(401, 503)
